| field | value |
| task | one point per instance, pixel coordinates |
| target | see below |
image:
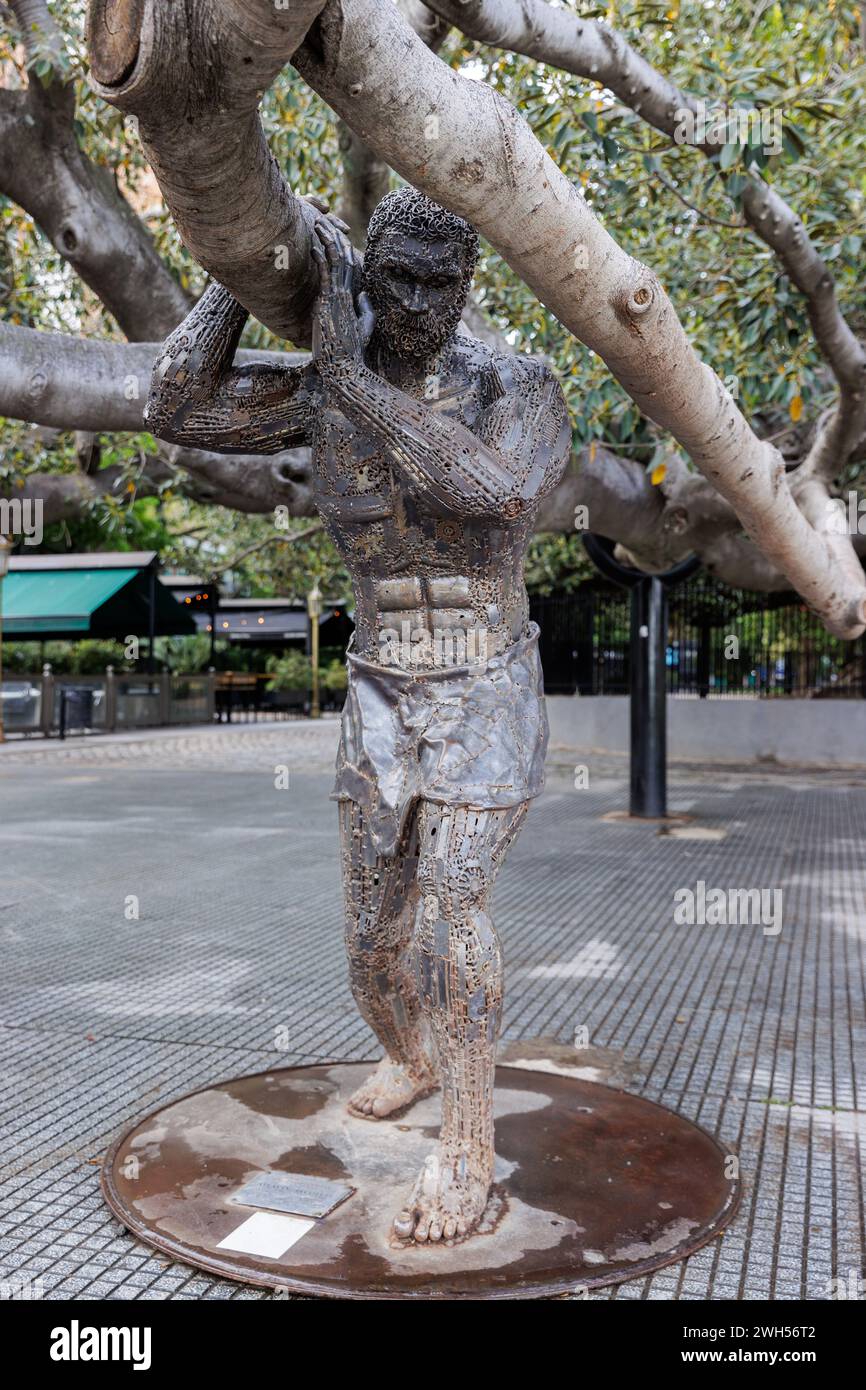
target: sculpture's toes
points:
(443, 1206)
(404, 1225)
(380, 1106)
(390, 1089)
(426, 1226)
(361, 1103)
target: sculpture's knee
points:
(460, 884)
(375, 942)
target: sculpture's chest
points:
(350, 456)
(375, 519)
(351, 459)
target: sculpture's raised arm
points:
(198, 398)
(522, 440)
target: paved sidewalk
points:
(759, 1037)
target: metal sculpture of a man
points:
(431, 453)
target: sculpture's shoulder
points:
(508, 373)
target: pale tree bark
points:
(251, 483)
(194, 75)
(89, 384)
(365, 176)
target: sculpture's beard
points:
(414, 335)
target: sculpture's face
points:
(418, 290)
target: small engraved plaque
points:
(292, 1192)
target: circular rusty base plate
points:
(593, 1186)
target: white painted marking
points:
(596, 960)
(267, 1233)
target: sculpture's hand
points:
(341, 328)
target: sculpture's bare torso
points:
(430, 455)
(415, 562)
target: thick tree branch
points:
(254, 484)
(587, 48)
(251, 483)
(194, 74)
(82, 383)
(366, 177)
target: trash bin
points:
(76, 708)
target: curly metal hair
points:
(410, 212)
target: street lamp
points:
(314, 610)
(5, 552)
(213, 602)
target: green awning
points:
(53, 603)
(57, 600)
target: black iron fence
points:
(722, 642)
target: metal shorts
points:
(461, 736)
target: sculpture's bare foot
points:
(449, 1198)
(390, 1090)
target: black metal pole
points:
(703, 672)
(648, 711)
(648, 672)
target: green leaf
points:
(794, 139)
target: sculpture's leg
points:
(460, 982)
(380, 898)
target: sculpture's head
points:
(418, 267)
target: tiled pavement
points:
(760, 1038)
